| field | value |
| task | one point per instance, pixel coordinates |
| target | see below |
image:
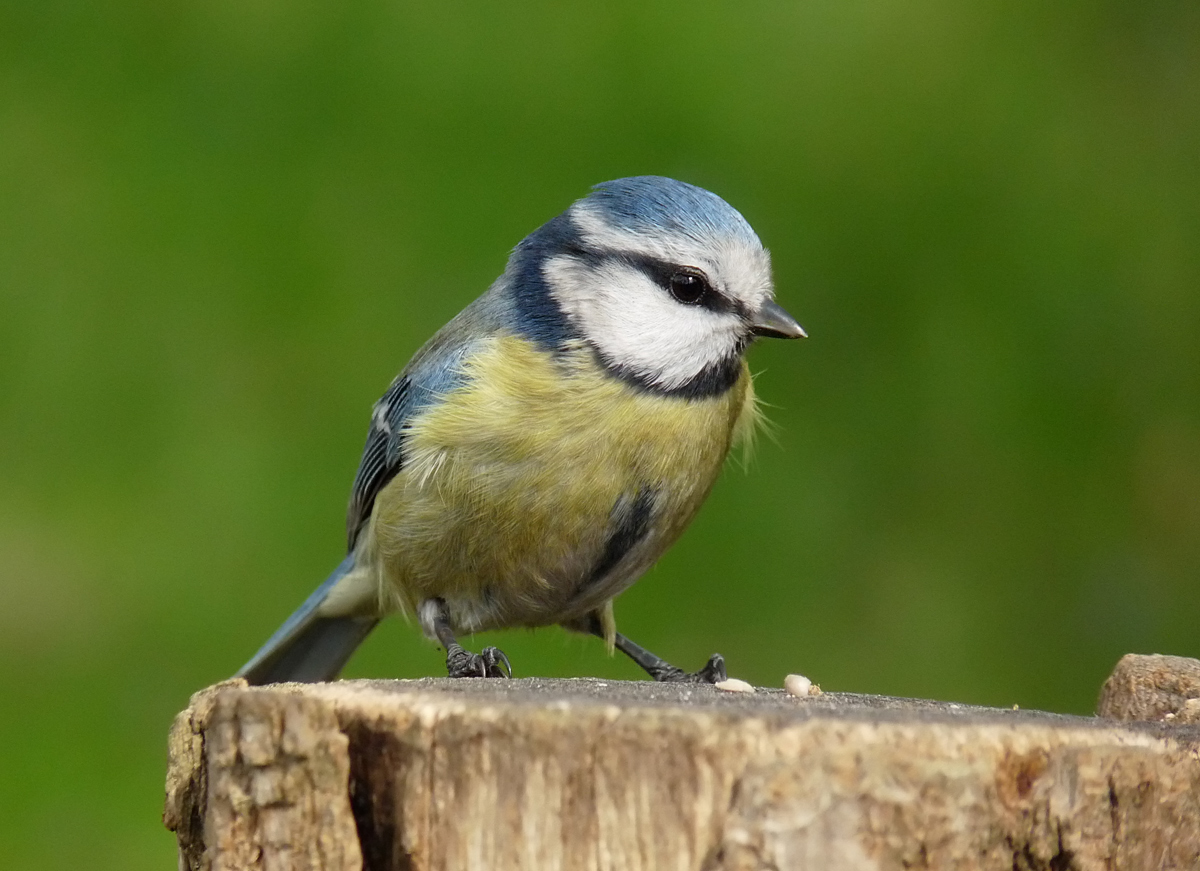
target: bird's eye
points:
(688, 287)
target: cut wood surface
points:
(589, 774)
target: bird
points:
(548, 444)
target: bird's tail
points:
(309, 647)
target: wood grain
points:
(586, 774)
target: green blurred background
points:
(225, 226)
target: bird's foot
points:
(491, 662)
(713, 672)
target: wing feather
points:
(434, 372)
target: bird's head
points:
(664, 280)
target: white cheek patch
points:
(636, 324)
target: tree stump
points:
(589, 774)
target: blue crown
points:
(648, 203)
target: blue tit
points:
(550, 442)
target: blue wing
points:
(426, 379)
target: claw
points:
(713, 672)
(493, 658)
(463, 663)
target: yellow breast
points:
(508, 483)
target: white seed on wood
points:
(733, 685)
(798, 685)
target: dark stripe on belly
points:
(631, 519)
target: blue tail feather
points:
(308, 647)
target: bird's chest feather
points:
(510, 484)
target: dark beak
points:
(772, 321)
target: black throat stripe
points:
(714, 379)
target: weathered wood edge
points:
(389, 750)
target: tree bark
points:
(587, 774)
(1152, 689)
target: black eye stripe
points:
(686, 284)
(660, 272)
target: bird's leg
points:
(491, 662)
(656, 667)
(661, 670)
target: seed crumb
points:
(733, 685)
(798, 685)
